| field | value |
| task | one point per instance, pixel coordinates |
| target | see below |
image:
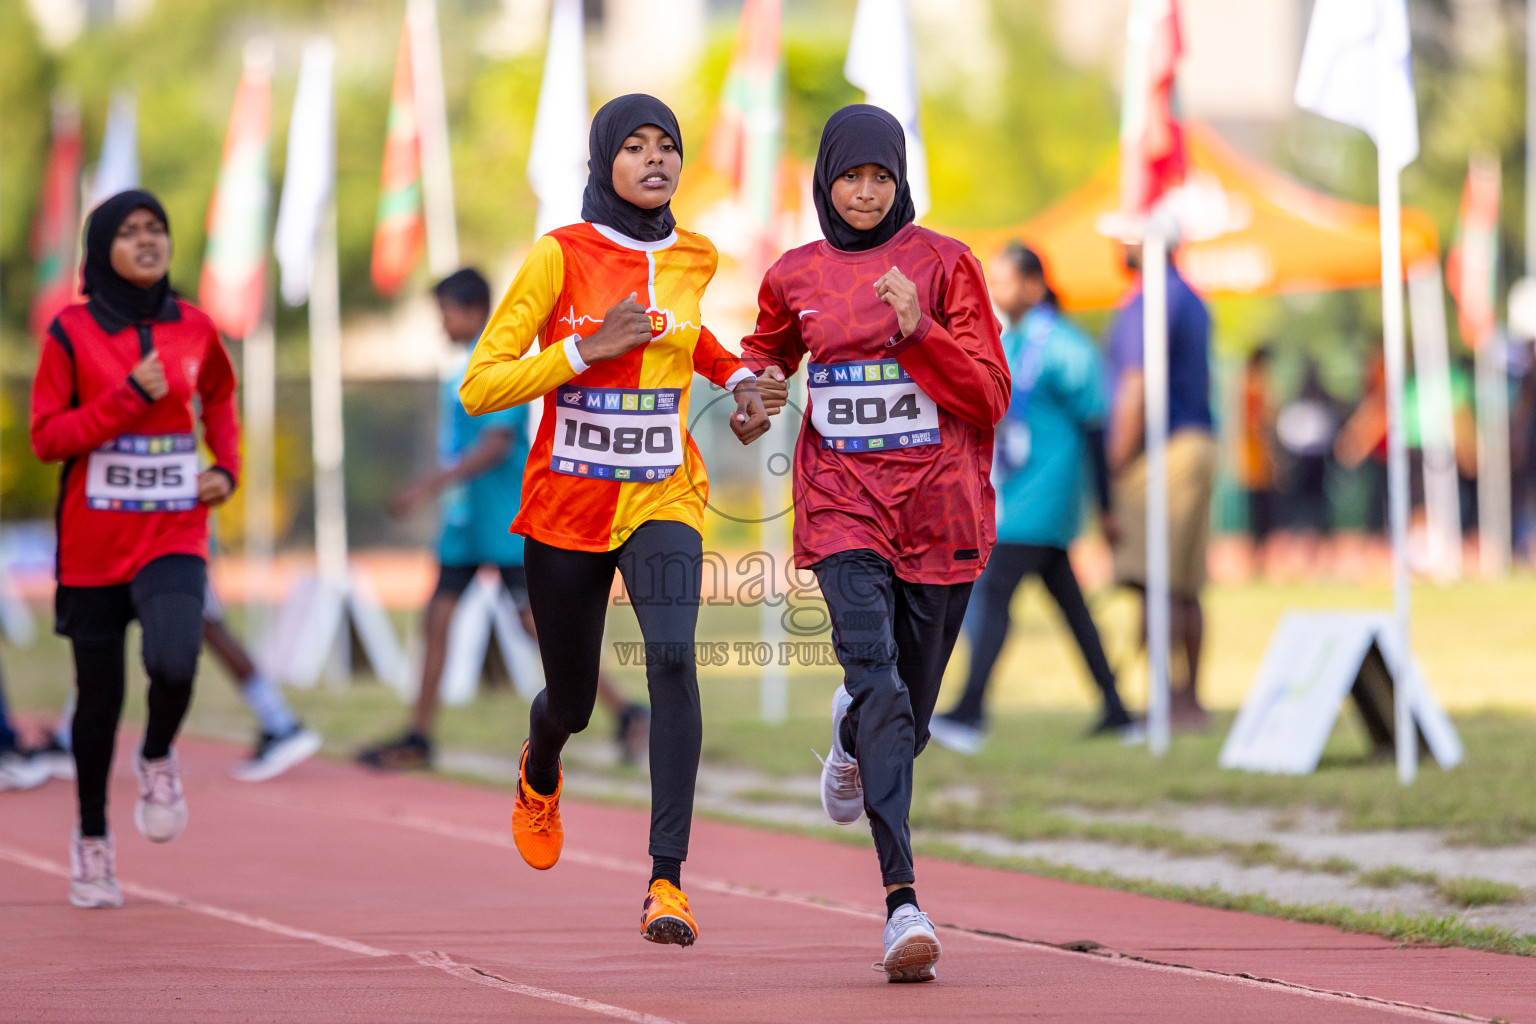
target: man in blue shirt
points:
(479, 485)
(1191, 469)
(1053, 427)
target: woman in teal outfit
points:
(1053, 427)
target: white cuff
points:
(739, 376)
(573, 354)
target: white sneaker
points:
(161, 813)
(956, 736)
(57, 759)
(911, 948)
(842, 790)
(93, 872)
(275, 755)
(18, 771)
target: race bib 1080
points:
(136, 473)
(870, 407)
(632, 435)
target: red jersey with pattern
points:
(82, 399)
(928, 508)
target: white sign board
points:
(1315, 660)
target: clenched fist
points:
(625, 327)
(150, 375)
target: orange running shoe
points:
(536, 827)
(665, 917)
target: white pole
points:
(1437, 418)
(1493, 497)
(325, 409)
(774, 488)
(1397, 451)
(257, 476)
(1154, 327)
(432, 121)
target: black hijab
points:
(612, 124)
(862, 134)
(106, 286)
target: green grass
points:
(1390, 876)
(1479, 892)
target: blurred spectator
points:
(1362, 442)
(1307, 428)
(1055, 423)
(1191, 468)
(1256, 472)
(19, 769)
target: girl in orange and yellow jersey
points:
(614, 481)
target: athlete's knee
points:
(171, 661)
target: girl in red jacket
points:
(893, 502)
(118, 391)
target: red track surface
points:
(335, 895)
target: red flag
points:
(234, 281)
(56, 230)
(1151, 137)
(1471, 269)
(400, 233)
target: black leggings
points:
(662, 564)
(893, 639)
(167, 599)
(1010, 564)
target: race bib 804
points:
(137, 473)
(632, 435)
(870, 406)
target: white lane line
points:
(438, 961)
(465, 972)
(489, 837)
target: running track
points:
(336, 895)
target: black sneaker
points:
(1112, 723)
(411, 751)
(633, 732)
(276, 754)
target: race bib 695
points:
(632, 435)
(136, 473)
(870, 406)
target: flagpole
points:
(257, 475)
(1394, 347)
(1154, 327)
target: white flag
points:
(1357, 68)
(557, 159)
(117, 168)
(310, 177)
(881, 62)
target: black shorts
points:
(95, 614)
(453, 580)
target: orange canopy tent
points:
(1246, 231)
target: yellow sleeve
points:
(498, 376)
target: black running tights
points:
(661, 563)
(167, 599)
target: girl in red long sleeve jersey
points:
(116, 399)
(893, 503)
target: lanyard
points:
(1031, 359)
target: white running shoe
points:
(59, 761)
(18, 771)
(842, 790)
(93, 872)
(161, 813)
(911, 948)
(276, 754)
(956, 736)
